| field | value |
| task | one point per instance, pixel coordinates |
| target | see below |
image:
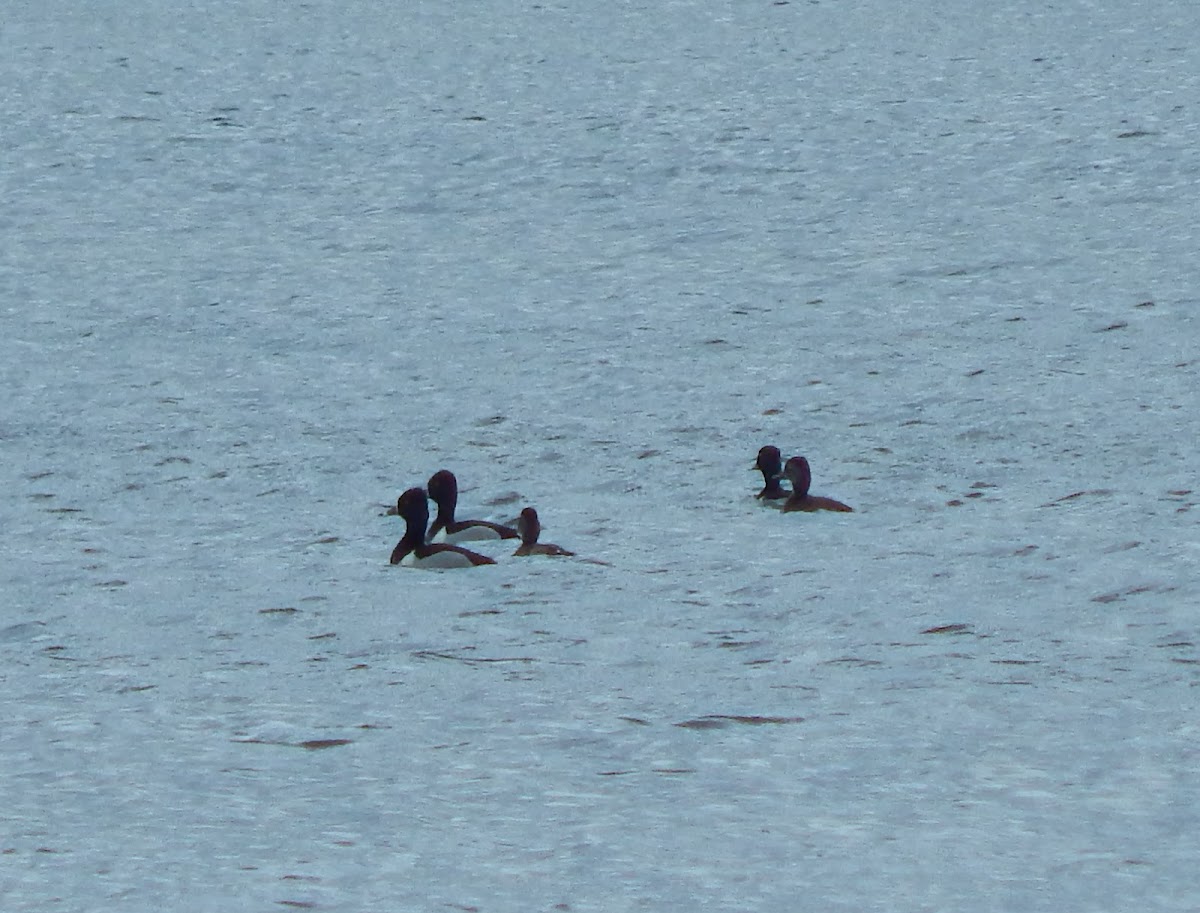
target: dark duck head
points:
(414, 551)
(443, 489)
(770, 464)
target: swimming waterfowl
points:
(414, 551)
(443, 489)
(800, 475)
(770, 464)
(530, 528)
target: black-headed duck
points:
(443, 489)
(414, 551)
(770, 464)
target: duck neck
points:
(414, 535)
(409, 542)
(529, 530)
(771, 487)
(445, 517)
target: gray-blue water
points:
(261, 269)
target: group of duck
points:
(425, 545)
(434, 546)
(796, 470)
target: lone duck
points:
(530, 528)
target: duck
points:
(443, 489)
(530, 528)
(800, 475)
(770, 464)
(413, 551)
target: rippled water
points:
(261, 270)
